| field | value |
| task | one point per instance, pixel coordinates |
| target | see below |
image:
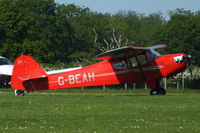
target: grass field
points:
(97, 111)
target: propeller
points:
(188, 56)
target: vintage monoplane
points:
(127, 64)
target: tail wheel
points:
(19, 93)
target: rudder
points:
(26, 70)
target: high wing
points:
(6, 66)
(125, 52)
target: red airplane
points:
(127, 64)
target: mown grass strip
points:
(100, 111)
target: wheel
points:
(162, 91)
(154, 92)
(19, 93)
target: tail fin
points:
(27, 74)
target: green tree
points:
(181, 32)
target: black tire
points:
(162, 91)
(19, 93)
(154, 92)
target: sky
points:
(140, 6)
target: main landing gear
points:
(160, 91)
(21, 92)
(154, 84)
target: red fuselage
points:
(103, 73)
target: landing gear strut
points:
(154, 84)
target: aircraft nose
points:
(179, 59)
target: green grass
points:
(116, 111)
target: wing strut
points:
(128, 64)
(139, 65)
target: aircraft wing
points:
(5, 74)
(6, 66)
(121, 53)
(6, 70)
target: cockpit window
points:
(4, 61)
(119, 65)
(141, 58)
(130, 62)
(152, 55)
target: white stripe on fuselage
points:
(62, 70)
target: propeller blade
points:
(188, 60)
(189, 65)
(190, 69)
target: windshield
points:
(4, 61)
(152, 55)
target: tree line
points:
(57, 33)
